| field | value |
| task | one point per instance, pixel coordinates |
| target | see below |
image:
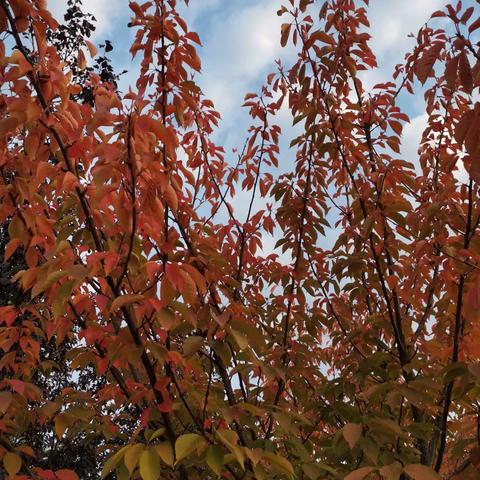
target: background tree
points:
(215, 359)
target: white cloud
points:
(238, 49)
(412, 134)
(391, 21)
(197, 8)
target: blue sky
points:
(240, 44)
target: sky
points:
(240, 44)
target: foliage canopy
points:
(213, 357)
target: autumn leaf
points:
(215, 457)
(12, 463)
(165, 452)
(465, 72)
(149, 465)
(5, 401)
(421, 472)
(352, 432)
(66, 475)
(426, 63)
(286, 27)
(132, 456)
(113, 460)
(185, 445)
(125, 300)
(360, 473)
(281, 464)
(391, 472)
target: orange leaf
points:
(124, 300)
(421, 472)
(360, 473)
(352, 432)
(66, 475)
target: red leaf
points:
(465, 73)
(427, 61)
(18, 386)
(451, 72)
(474, 25)
(66, 475)
(11, 248)
(194, 37)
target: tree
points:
(78, 452)
(357, 361)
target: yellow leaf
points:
(62, 422)
(240, 339)
(192, 345)
(165, 452)
(421, 472)
(360, 473)
(12, 463)
(279, 463)
(230, 439)
(157, 433)
(185, 445)
(215, 459)
(112, 462)
(352, 432)
(124, 300)
(149, 465)
(131, 457)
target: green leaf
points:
(185, 445)
(149, 465)
(421, 472)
